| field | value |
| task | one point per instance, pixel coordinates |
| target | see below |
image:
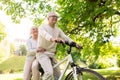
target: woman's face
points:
(34, 31)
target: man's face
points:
(52, 19)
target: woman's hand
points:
(41, 49)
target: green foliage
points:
(12, 64)
(94, 21)
(23, 49)
(85, 15)
(32, 9)
(2, 52)
(61, 51)
(12, 48)
(2, 32)
(88, 22)
(4, 49)
(1, 56)
(108, 57)
(108, 74)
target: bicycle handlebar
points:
(71, 44)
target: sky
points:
(16, 31)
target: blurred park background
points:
(94, 24)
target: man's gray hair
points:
(52, 14)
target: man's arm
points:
(64, 37)
(43, 33)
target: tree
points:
(23, 50)
(95, 21)
(12, 48)
(89, 22)
(33, 9)
(2, 31)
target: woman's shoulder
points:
(29, 39)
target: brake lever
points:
(79, 47)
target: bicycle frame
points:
(76, 72)
(69, 60)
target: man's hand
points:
(56, 40)
(74, 44)
(52, 39)
(41, 49)
(59, 40)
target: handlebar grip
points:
(56, 41)
(73, 44)
(59, 41)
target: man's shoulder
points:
(57, 28)
(43, 26)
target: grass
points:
(109, 74)
(12, 64)
(12, 69)
(15, 76)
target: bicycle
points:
(77, 73)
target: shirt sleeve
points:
(30, 50)
(44, 33)
(63, 36)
